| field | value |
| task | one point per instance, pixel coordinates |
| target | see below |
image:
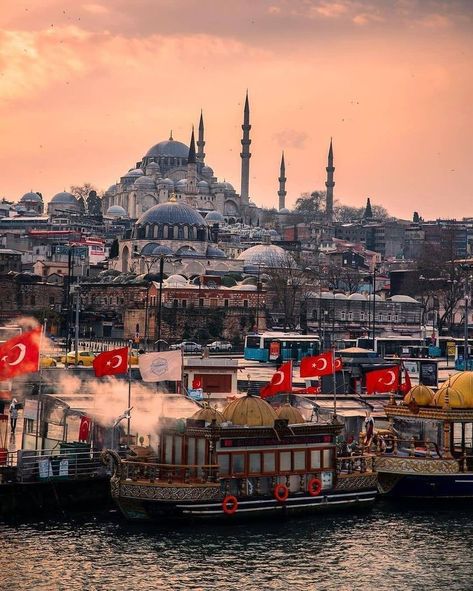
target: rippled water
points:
(385, 549)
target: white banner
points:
(159, 367)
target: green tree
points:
(311, 204)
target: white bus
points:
(279, 346)
(394, 346)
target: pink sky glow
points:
(86, 88)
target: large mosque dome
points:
(64, 198)
(30, 198)
(171, 221)
(170, 148)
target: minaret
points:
(368, 213)
(245, 153)
(192, 168)
(330, 184)
(201, 141)
(282, 184)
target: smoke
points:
(108, 398)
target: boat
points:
(430, 452)
(246, 461)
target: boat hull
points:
(432, 486)
(142, 509)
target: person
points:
(13, 415)
(369, 429)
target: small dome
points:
(166, 183)
(293, 415)
(213, 251)
(463, 382)
(252, 204)
(134, 173)
(181, 184)
(203, 187)
(421, 395)
(284, 210)
(268, 255)
(455, 398)
(170, 148)
(357, 297)
(161, 249)
(64, 198)
(187, 251)
(250, 410)
(177, 279)
(405, 299)
(171, 213)
(116, 211)
(228, 186)
(208, 414)
(144, 183)
(214, 217)
(152, 168)
(31, 198)
(376, 297)
(207, 171)
(111, 190)
(148, 249)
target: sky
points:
(86, 88)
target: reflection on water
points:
(386, 549)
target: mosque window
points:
(171, 232)
(160, 231)
(180, 233)
(156, 231)
(185, 231)
(165, 232)
(191, 233)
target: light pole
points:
(160, 300)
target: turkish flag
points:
(338, 366)
(197, 383)
(111, 363)
(382, 380)
(318, 365)
(84, 428)
(20, 354)
(406, 385)
(280, 382)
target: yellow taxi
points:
(134, 357)
(47, 361)
(85, 358)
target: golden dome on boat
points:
(208, 414)
(250, 410)
(292, 414)
(449, 398)
(421, 395)
(463, 383)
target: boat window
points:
(328, 458)
(238, 463)
(285, 461)
(191, 450)
(315, 458)
(299, 460)
(178, 450)
(201, 451)
(269, 462)
(168, 450)
(224, 464)
(255, 463)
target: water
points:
(386, 549)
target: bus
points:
(279, 347)
(446, 346)
(395, 346)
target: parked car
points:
(220, 346)
(187, 347)
(85, 358)
(48, 361)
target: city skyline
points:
(81, 95)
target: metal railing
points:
(36, 465)
(169, 473)
(359, 464)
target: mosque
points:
(171, 168)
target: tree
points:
(82, 190)
(114, 249)
(312, 204)
(348, 213)
(94, 204)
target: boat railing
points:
(169, 473)
(410, 447)
(355, 464)
(33, 466)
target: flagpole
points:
(40, 384)
(334, 385)
(129, 393)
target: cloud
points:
(330, 9)
(96, 8)
(291, 138)
(436, 22)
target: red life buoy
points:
(230, 504)
(281, 492)
(314, 487)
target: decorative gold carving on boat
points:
(356, 482)
(168, 493)
(397, 465)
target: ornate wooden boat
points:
(431, 454)
(245, 462)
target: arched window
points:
(160, 231)
(180, 233)
(165, 232)
(186, 232)
(171, 232)
(155, 231)
(191, 233)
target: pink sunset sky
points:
(86, 88)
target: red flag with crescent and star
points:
(382, 380)
(21, 354)
(280, 382)
(111, 363)
(84, 428)
(320, 365)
